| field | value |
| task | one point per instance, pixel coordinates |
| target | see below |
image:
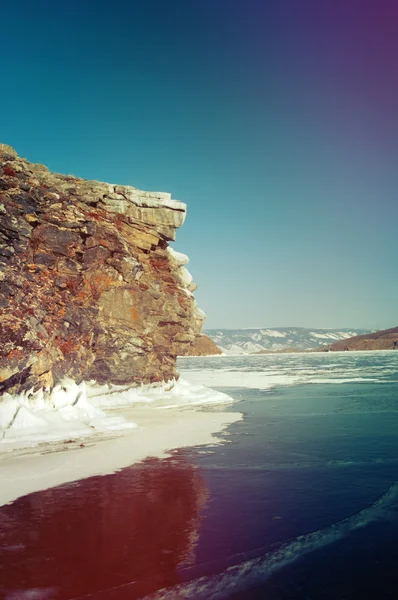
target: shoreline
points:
(279, 353)
(25, 470)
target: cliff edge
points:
(89, 287)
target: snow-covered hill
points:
(249, 341)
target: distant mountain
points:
(251, 341)
(386, 339)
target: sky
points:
(276, 121)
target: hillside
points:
(386, 339)
(202, 346)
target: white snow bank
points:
(165, 395)
(72, 410)
(185, 276)
(58, 462)
(43, 415)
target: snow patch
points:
(273, 333)
(233, 350)
(185, 276)
(180, 258)
(71, 410)
(165, 395)
(53, 415)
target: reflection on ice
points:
(134, 527)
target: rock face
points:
(386, 339)
(89, 288)
(203, 346)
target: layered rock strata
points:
(89, 287)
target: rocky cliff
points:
(386, 339)
(89, 287)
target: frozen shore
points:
(82, 431)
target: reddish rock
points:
(88, 286)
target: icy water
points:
(301, 503)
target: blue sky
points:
(275, 121)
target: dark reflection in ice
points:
(136, 526)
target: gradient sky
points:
(275, 121)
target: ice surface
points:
(32, 594)
(248, 574)
(266, 371)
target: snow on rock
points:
(63, 412)
(71, 410)
(186, 276)
(179, 258)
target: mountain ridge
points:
(253, 340)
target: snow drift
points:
(71, 410)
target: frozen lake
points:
(302, 502)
